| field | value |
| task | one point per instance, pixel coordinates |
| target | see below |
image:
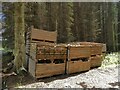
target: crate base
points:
(77, 66)
(46, 70)
(96, 61)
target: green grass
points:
(111, 59)
(1, 48)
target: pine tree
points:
(19, 32)
(118, 33)
(65, 22)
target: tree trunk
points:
(19, 48)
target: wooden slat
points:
(80, 51)
(96, 48)
(96, 61)
(45, 70)
(77, 66)
(43, 35)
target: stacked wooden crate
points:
(46, 58)
(78, 58)
(40, 64)
(51, 60)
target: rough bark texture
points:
(19, 49)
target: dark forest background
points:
(73, 21)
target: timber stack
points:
(47, 58)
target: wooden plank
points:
(45, 70)
(79, 51)
(96, 48)
(96, 61)
(38, 34)
(77, 66)
(32, 66)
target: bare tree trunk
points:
(19, 48)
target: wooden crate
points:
(78, 51)
(96, 60)
(77, 66)
(47, 63)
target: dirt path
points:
(95, 78)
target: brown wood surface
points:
(96, 48)
(45, 70)
(50, 51)
(38, 34)
(78, 52)
(77, 66)
(96, 60)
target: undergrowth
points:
(111, 59)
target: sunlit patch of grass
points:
(111, 59)
(1, 48)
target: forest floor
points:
(95, 78)
(106, 76)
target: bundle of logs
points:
(48, 59)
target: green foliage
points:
(118, 32)
(73, 21)
(111, 59)
(65, 22)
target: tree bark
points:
(19, 48)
